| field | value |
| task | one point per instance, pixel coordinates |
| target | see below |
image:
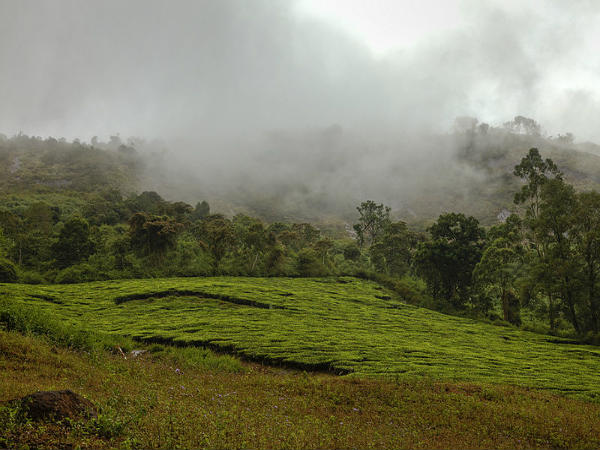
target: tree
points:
(322, 247)
(8, 271)
(74, 244)
(587, 246)
(308, 264)
(179, 210)
(524, 125)
(351, 251)
(201, 211)
(148, 202)
(554, 231)
(446, 262)
(217, 233)
(252, 237)
(500, 265)
(275, 260)
(535, 171)
(391, 252)
(372, 221)
(152, 235)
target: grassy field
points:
(344, 325)
(162, 401)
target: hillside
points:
(342, 325)
(32, 164)
(197, 400)
(317, 177)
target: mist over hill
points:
(265, 107)
(317, 176)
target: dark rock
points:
(56, 405)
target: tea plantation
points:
(344, 325)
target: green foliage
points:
(153, 235)
(79, 273)
(500, 265)
(8, 271)
(351, 251)
(74, 244)
(373, 219)
(308, 263)
(535, 171)
(217, 233)
(447, 261)
(201, 211)
(30, 277)
(391, 253)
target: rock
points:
(136, 353)
(56, 405)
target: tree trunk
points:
(504, 298)
(571, 306)
(254, 263)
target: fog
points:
(255, 99)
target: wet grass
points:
(339, 325)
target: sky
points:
(233, 69)
(386, 25)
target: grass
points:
(341, 325)
(149, 402)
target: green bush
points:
(30, 277)
(308, 264)
(8, 271)
(410, 290)
(79, 273)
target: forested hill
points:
(33, 164)
(493, 156)
(316, 177)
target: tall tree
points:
(535, 173)
(373, 220)
(217, 233)
(587, 242)
(554, 230)
(391, 252)
(74, 244)
(152, 235)
(446, 262)
(500, 266)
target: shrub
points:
(29, 277)
(8, 271)
(308, 264)
(79, 273)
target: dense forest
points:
(70, 215)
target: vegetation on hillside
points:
(342, 325)
(180, 400)
(346, 300)
(538, 269)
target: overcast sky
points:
(229, 69)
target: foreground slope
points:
(155, 402)
(345, 325)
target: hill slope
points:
(344, 325)
(145, 402)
